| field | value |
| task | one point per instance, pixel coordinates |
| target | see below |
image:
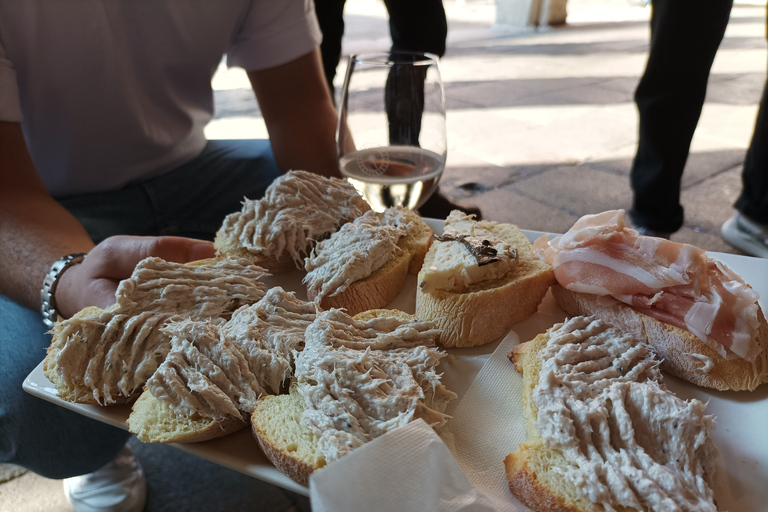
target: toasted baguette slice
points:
(530, 469)
(153, 421)
(681, 352)
(382, 286)
(285, 441)
(489, 308)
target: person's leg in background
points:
(414, 27)
(417, 26)
(685, 35)
(330, 16)
(748, 228)
(189, 201)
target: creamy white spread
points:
(355, 251)
(114, 351)
(269, 332)
(204, 374)
(298, 209)
(456, 267)
(360, 380)
(706, 363)
(627, 440)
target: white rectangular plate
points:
(742, 417)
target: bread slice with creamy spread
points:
(603, 431)
(198, 392)
(363, 265)
(681, 353)
(480, 282)
(298, 209)
(380, 359)
(105, 356)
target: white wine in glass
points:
(390, 138)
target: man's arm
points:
(35, 231)
(299, 114)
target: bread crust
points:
(674, 346)
(284, 460)
(296, 461)
(488, 310)
(526, 487)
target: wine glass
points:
(390, 138)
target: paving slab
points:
(508, 204)
(577, 189)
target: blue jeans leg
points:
(191, 200)
(38, 435)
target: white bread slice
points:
(153, 421)
(606, 408)
(489, 308)
(530, 469)
(383, 285)
(682, 353)
(298, 210)
(278, 428)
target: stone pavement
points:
(541, 130)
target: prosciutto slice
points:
(675, 283)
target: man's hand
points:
(94, 281)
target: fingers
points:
(118, 256)
(94, 281)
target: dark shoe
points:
(642, 230)
(746, 235)
(438, 207)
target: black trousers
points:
(415, 25)
(685, 35)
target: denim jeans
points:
(189, 201)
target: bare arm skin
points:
(35, 231)
(299, 114)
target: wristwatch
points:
(47, 298)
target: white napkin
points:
(488, 424)
(412, 470)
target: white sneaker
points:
(120, 486)
(746, 235)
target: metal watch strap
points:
(51, 281)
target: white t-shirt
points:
(115, 91)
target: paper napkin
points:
(409, 469)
